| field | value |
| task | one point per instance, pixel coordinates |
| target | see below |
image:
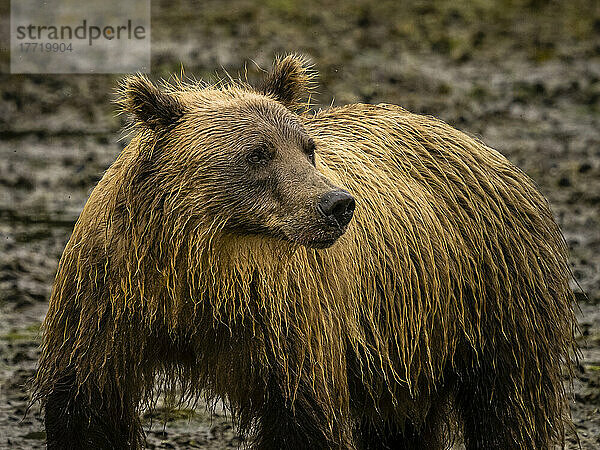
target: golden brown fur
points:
(448, 290)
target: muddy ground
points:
(524, 76)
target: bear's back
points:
(418, 176)
(445, 227)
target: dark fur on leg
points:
(494, 417)
(78, 420)
(392, 436)
(486, 424)
(302, 425)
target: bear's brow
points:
(284, 121)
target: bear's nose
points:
(337, 206)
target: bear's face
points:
(249, 162)
(259, 165)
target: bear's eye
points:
(258, 155)
(310, 151)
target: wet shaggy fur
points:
(444, 306)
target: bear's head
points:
(239, 155)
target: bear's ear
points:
(149, 105)
(290, 80)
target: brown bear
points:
(356, 277)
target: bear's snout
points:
(337, 206)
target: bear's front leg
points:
(304, 423)
(86, 417)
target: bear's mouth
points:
(320, 244)
(315, 231)
(322, 238)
